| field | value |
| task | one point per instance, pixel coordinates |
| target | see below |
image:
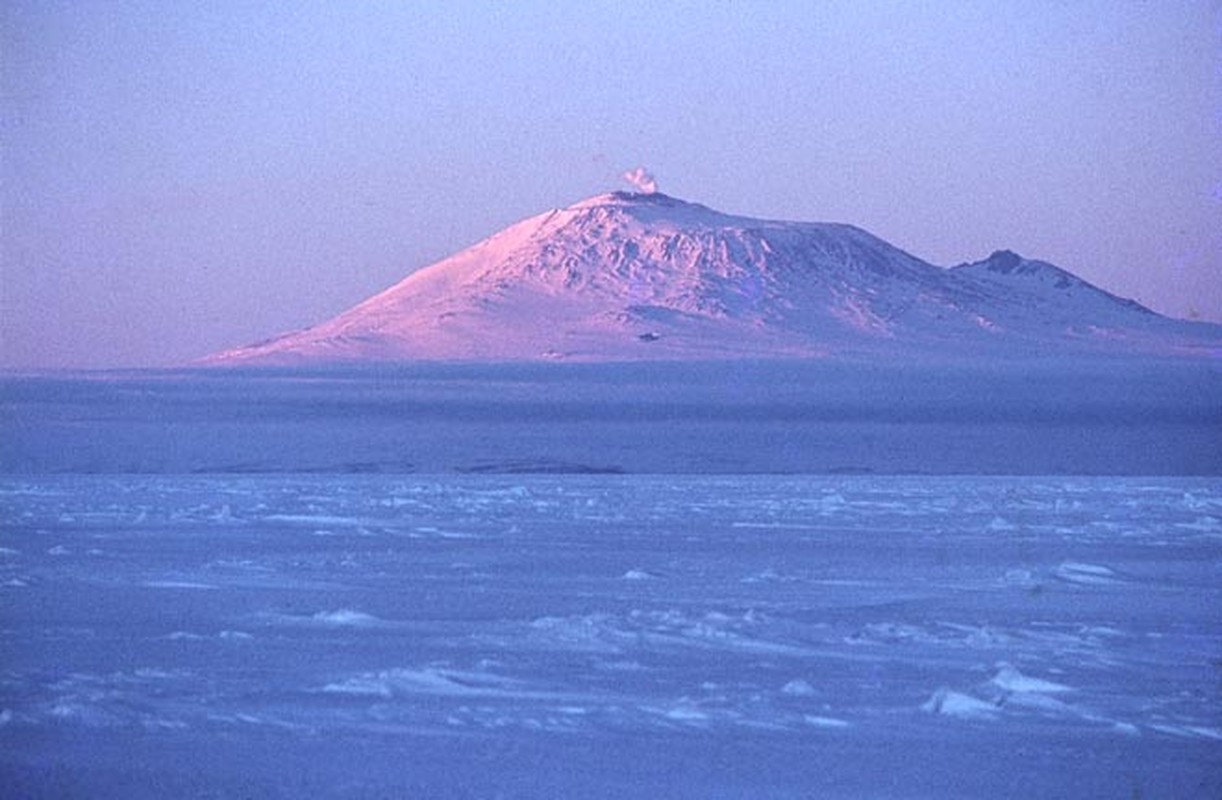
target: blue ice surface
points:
(201, 596)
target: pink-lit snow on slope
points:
(623, 277)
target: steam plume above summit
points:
(642, 180)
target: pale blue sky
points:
(180, 177)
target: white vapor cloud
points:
(642, 179)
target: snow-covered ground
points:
(203, 594)
(610, 636)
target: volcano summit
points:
(628, 277)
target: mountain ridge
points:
(625, 276)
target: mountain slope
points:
(645, 276)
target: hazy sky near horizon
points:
(180, 177)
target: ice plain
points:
(1000, 416)
(203, 597)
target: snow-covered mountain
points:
(627, 276)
